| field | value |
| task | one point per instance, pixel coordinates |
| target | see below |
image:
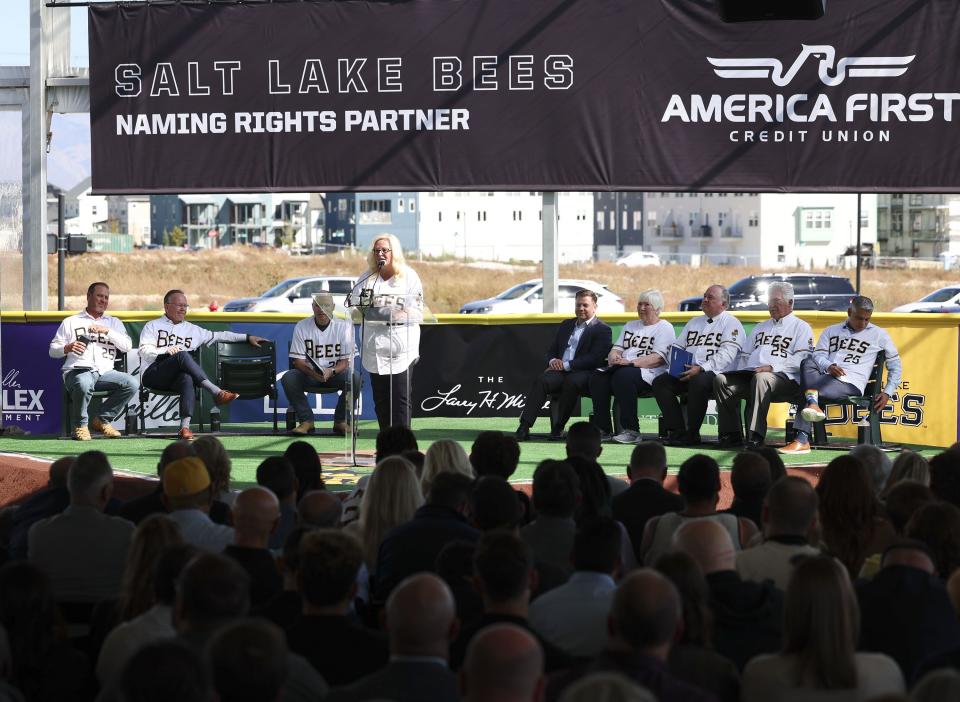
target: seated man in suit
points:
(580, 347)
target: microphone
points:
(381, 263)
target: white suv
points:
(527, 298)
(295, 295)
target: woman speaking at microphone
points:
(393, 310)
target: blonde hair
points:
(908, 466)
(154, 534)
(444, 456)
(391, 498)
(217, 460)
(399, 262)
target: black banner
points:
(478, 371)
(532, 95)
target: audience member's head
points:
(904, 498)
(166, 572)
(166, 670)
(647, 460)
(908, 465)
(774, 460)
(790, 508)
(937, 686)
(556, 489)
(687, 577)
(186, 485)
(606, 687)
(584, 440)
(594, 489)
(503, 568)
(329, 561)
(289, 561)
(494, 504)
(945, 476)
(90, 481)
(495, 453)
(391, 498)
(173, 452)
(212, 589)
(822, 623)
(394, 440)
(450, 490)
(248, 659)
(444, 456)
(596, 546)
(421, 617)
(59, 470)
(504, 663)
(699, 480)
(937, 524)
(708, 543)
(277, 475)
(645, 614)
(319, 509)
(152, 536)
(417, 458)
(306, 467)
(215, 457)
(877, 464)
(256, 515)
(910, 553)
(848, 510)
(750, 476)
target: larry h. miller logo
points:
(851, 66)
(845, 117)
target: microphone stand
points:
(365, 302)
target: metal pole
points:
(551, 258)
(616, 206)
(61, 252)
(859, 220)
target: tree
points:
(178, 237)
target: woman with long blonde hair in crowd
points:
(444, 456)
(391, 499)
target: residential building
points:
(354, 219)
(914, 224)
(617, 224)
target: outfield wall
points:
(482, 366)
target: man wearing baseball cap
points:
(187, 496)
(319, 360)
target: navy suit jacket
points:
(595, 344)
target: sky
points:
(15, 33)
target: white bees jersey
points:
(715, 343)
(159, 334)
(102, 349)
(637, 339)
(781, 344)
(855, 353)
(322, 347)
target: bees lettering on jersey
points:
(315, 350)
(165, 338)
(712, 339)
(636, 341)
(778, 343)
(840, 343)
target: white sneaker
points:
(627, 436)
(813, 413)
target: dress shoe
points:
(523, 433)
(185, 434)
(104, 428)
(606, 436)
(795, 448)
(303, 428)
(558, 436)
(81, 434)
(341, 428)
(733, 440)
(225, 397)
(683, 439)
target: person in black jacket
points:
(580, 347)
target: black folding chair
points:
(250, 371)
(119, 364)
(873, 388)
(146, 392)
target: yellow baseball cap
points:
(325, 302)
(185, 476)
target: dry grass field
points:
(139, 279)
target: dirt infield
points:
(21, 476)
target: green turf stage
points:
(139, 455)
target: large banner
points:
(532, 95)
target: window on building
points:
(413, 205)
(864, 219)
(916, 199)
(600, 221)
(637, 220)
(613, 220)
(400, 205)
(896, 220)
(753, 220)
(623, 221)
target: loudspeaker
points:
(766, 10)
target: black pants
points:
(699, 390)
(399, 384)
(178, 372)
(569, 386)
(626, 383)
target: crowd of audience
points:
(435, 580)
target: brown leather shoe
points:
(341, 428)
(225, 397)
(185, 434)
(303, 428)
(81, 434)
(795, 448)
(104, 428)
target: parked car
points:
(942, 300)
(295, 295)
(639, 258)
(527, 298)
(811, 292)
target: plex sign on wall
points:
(538, 95)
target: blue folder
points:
(679, 359)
